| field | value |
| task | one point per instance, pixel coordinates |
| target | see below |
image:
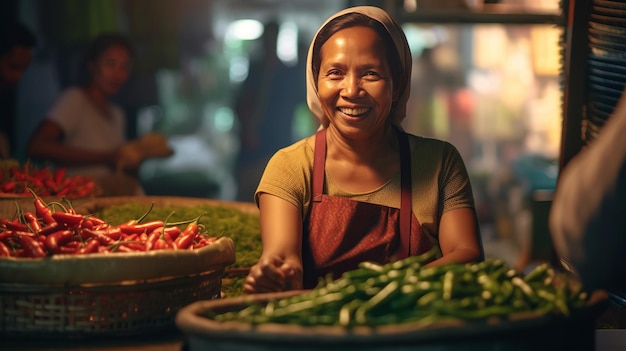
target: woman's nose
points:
(351, 86)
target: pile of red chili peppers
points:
(16, 179)
(51, 232)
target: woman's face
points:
(111, 70)
(354, 84)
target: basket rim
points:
(106, 268)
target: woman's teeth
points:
(353, 111)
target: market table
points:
(168, 341)
(606, 340)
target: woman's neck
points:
(369, 151)
(362, 166)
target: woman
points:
(84, 131)
(360, 189)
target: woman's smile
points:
(354, 112)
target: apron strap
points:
(405, 199)
(319, 158)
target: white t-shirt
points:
(86, 127)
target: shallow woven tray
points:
(523, 331)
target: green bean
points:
(539, 273)
(377, 299)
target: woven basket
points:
(81, 311)
(99, 295)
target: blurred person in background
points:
(85, 131)
(588, 213)
(265, 107)
(17, 44)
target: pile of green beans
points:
(406, 291)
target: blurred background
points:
(487, 78)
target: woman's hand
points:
(272, 274)
(280, 265)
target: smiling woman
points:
(360, 189)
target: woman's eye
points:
(371, 73)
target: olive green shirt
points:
(440, 181)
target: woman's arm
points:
(280, 265)
(46, 144)
(459, 237)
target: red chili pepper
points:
(91, 246)
(9, 187)
(192, 228)
(4, 250)
(33, 222)
(131, 237)
(153, 238)
(173, 232)
(32, 248)
(63, 191)
(50, 184)
(104, 236)
(13, 225)
(161, 244)
(97, 221)
(131, 222)
(69, 248)
(112, 232)
(50, 228)
(124, 248)
(5, 235)
(184, 241)
(55, 240)
(134, 246)
(38, 183)
(71, 220)
(41, 208)
(188, 236)
(103, 249)
(147, 227)
(87, 224)
(59, 174)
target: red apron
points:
(340, 233)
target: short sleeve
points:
(288, 175)
(456, 187)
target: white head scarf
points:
(398, 112)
